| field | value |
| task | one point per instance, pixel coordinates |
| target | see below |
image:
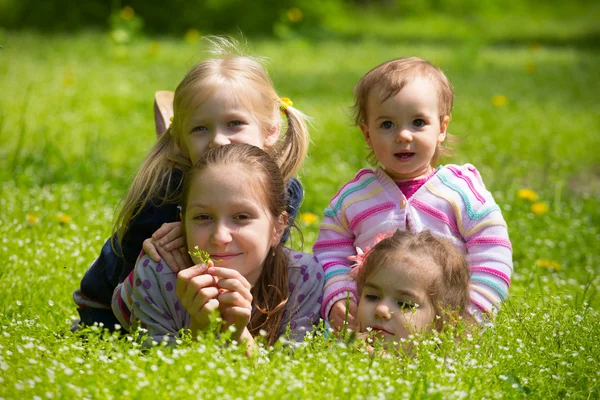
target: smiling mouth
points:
(223, 256)
(404, 156)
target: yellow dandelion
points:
(295, 15)
(68, 80)
(154, 48)
(308, 218)
(535, 46)
(531, 67)
(499, 100)
(192, 36)
(527, 194)
(550, 264)
(539, 208)
(32, 219)
(127, 13)
(64, 219)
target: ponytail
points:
(292, 149)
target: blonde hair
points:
(390, 77)
(250, 84)
(270, 293)
(448, 290)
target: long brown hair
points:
(249, 83)
(448, 290)
(270, 292)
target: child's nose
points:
(221, 234)
(404, 135)
(219, 139)
(383, 311)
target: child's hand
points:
(168, 244)
(197, 291)
(176, 259)
(170, 236)
(337, 315)
(235, 299)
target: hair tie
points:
(361, 255)
(171, 119)
(285, 103)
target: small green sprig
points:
(202, 255)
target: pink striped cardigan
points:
(453, 204)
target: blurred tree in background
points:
(252, 17)
(256, 17)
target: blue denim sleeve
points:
(294, 196)
(113, 265)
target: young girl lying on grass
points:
(233, 207)
(409, 283)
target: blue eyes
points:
(417, 123)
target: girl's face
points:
(227, 216)
(405, 129)
(394, 301)
(221, 119)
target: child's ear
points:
(279, 228)
(273, 132)
(443, 129)
(365, 130)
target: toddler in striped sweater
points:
(403, 108)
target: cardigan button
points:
(403, 203)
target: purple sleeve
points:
(305, 277)
(148, 296)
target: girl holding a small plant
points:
(233, 213)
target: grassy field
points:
(76, 121)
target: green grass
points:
(76, 121)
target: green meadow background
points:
(76, 121)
